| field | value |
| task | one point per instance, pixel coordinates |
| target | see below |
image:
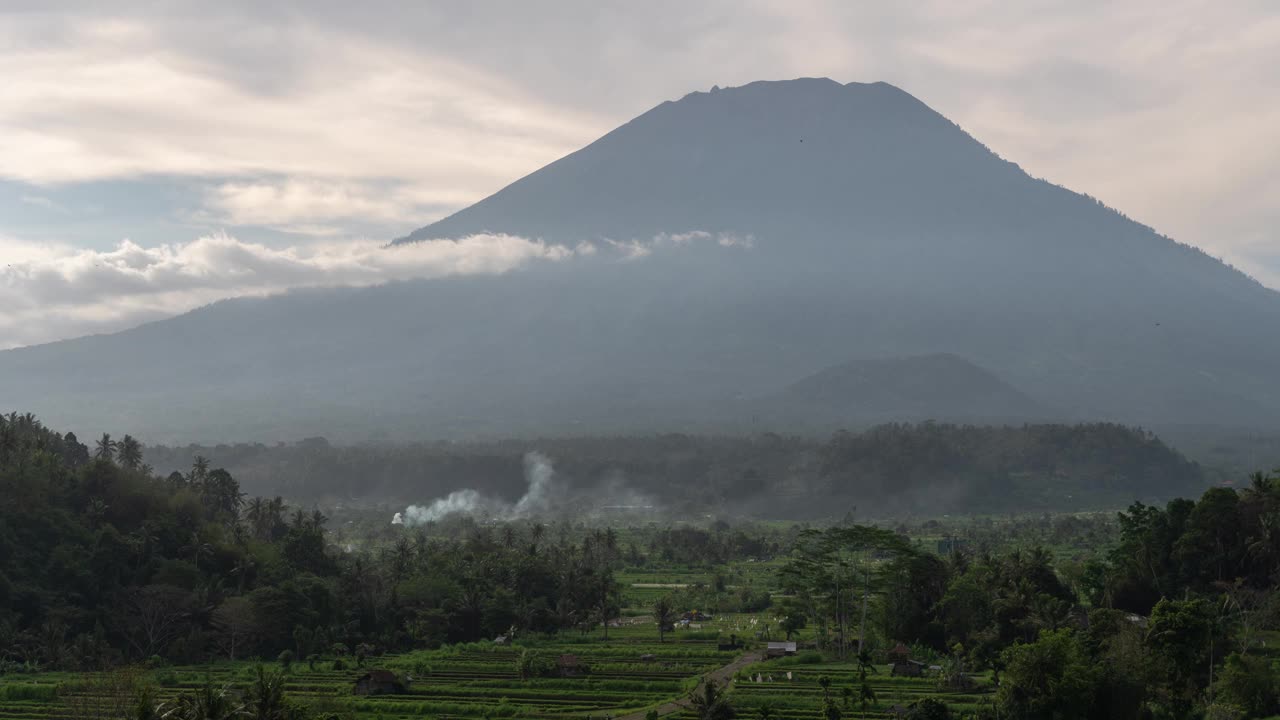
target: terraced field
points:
(477, 680)
(801, 695)
(481, 680)
(624, 675)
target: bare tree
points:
(154, 616)
(235, 624)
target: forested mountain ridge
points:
(904, 469)
(920, 387)
(858, 225)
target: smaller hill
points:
(938, 386)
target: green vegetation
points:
(923, 469)
(124, 594)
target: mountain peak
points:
(798, 149)
(880, 230)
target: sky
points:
(158, 156)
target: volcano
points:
(724, 247)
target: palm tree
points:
(665, 613)
(242, 569)
(830, 710)
(206, 703)
(257, 515)
(318, 519)
(130, 453)
(711, 703)
(197, 548)
(199, 471)
(275, 516)
(266, 697)
(96, 511)
(106, 448)
(866, 696)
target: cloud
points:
(94, 98)
(50, 292)
(322, 207)
(308, 116)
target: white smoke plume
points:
(543, 494)
(538, 473)
(546, 495)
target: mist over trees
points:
(899, 468)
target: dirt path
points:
(721, 675)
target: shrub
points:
(29, 692)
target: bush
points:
(28, 692)
(929, 709)
(339, 665)
(168, 678)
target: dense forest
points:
(105, 562)
(900, 468)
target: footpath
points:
(721, 675)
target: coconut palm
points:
(106, 449)
(130, 453)
(206, 703)
(665, 613)
(711, 703)
(199, 471)
(266, 699)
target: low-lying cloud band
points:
(51, 293)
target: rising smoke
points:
(537, 499)
(546, 495)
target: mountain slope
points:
(920, 387)
(877, 228)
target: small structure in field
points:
(907, 668)
(898, 653)
(733, 643)
(379, 682)
(502, 640)
(779, 649)
(568, 666)
(648, 657)
(695, 616)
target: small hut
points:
(779, 649)
(568, 666)
(379, 682)
(907, 668)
